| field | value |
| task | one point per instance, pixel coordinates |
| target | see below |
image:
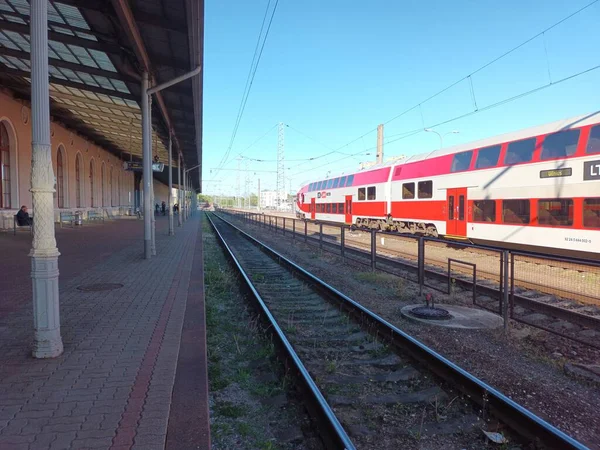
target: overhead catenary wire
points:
(251, 74)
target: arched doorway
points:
(103, 182)
(60, 177)
(92, 199)
(78, 181)
(5, 181)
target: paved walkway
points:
(113, 386)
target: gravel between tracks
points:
(528, 366)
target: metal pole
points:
(343, 240)
(184, 194)
(505, 292)
(373, 249)
(294, 229)
(47, 341)
(284, 226)
(421, 263)
(147, 168)
(153, 218)
(305, 231)
(169, 205)
(179, 191)
(321, 236)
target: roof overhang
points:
(98, 50)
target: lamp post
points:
(441, 136)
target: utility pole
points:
(280, 189)
(379, 159)
(247, 184)
(258, 201)
(237, 179)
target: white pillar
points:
(153, 216)
(171, 229)
(179, 190)
(47, 342)
(147, 165)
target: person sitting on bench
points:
(23, 217)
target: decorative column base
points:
(47, 342)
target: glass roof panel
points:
(61, 30)
(6, 42)
(14, 19)
(6, 62)
(18, 63)
(4, 6)
(72, 15)
(62, 51)
(18, 39)
(53, 15)
(102, 60)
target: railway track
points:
(569, 319)
(368, 384)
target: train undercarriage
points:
(399, 226)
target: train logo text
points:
(591, 170)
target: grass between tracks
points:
(250, 405)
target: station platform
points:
(133, 371)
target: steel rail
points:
(559, 313)
(334, 434)
(520, 419)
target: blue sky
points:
(333, 70)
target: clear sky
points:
(333, 70)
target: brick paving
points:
(112, 387)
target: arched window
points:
(111, 188)
(103, 181)
(4, 168)
(92, 200)
(78, 189)
(60, 178)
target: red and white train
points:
(537, 189)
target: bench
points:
(95, 215)
(67, 217)
(17, 226)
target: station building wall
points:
(88, 177)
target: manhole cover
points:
(426, 312)
(99, 287)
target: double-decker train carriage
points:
(537, 189)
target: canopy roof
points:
(98, 50)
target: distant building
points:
(270, 200)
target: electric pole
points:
(280, 189)
(379, 159)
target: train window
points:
(484, 211)
(322, 207)
(371, 193)
(349, 180)
(318, 185)
(560, 145)
(451, 207)
(555, 212)
(425, 189)
(408, 190)
(302, 198)
(336, 182)
(461, 207)
(593, 145)
(329, 184)
(328, 208)
(334, 208)
(487, 157)
(461, 161)
(361, 194)
(343, 181)
(520, 151)
(591, 212)
(515, 211)
(341, 208)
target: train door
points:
(456, 221)
(348, 209)
(313, 208)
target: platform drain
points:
(429, 313)
(97, 287)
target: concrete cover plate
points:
(462, 317)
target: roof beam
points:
(71, 84)
(140, 16)
(69, 65)
(64, 38)
(128, 22)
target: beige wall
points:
(118, 191)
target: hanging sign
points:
(137, 166)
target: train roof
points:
(553, 127)
(559, 125)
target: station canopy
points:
(98, 50)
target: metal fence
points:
(559, 295)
